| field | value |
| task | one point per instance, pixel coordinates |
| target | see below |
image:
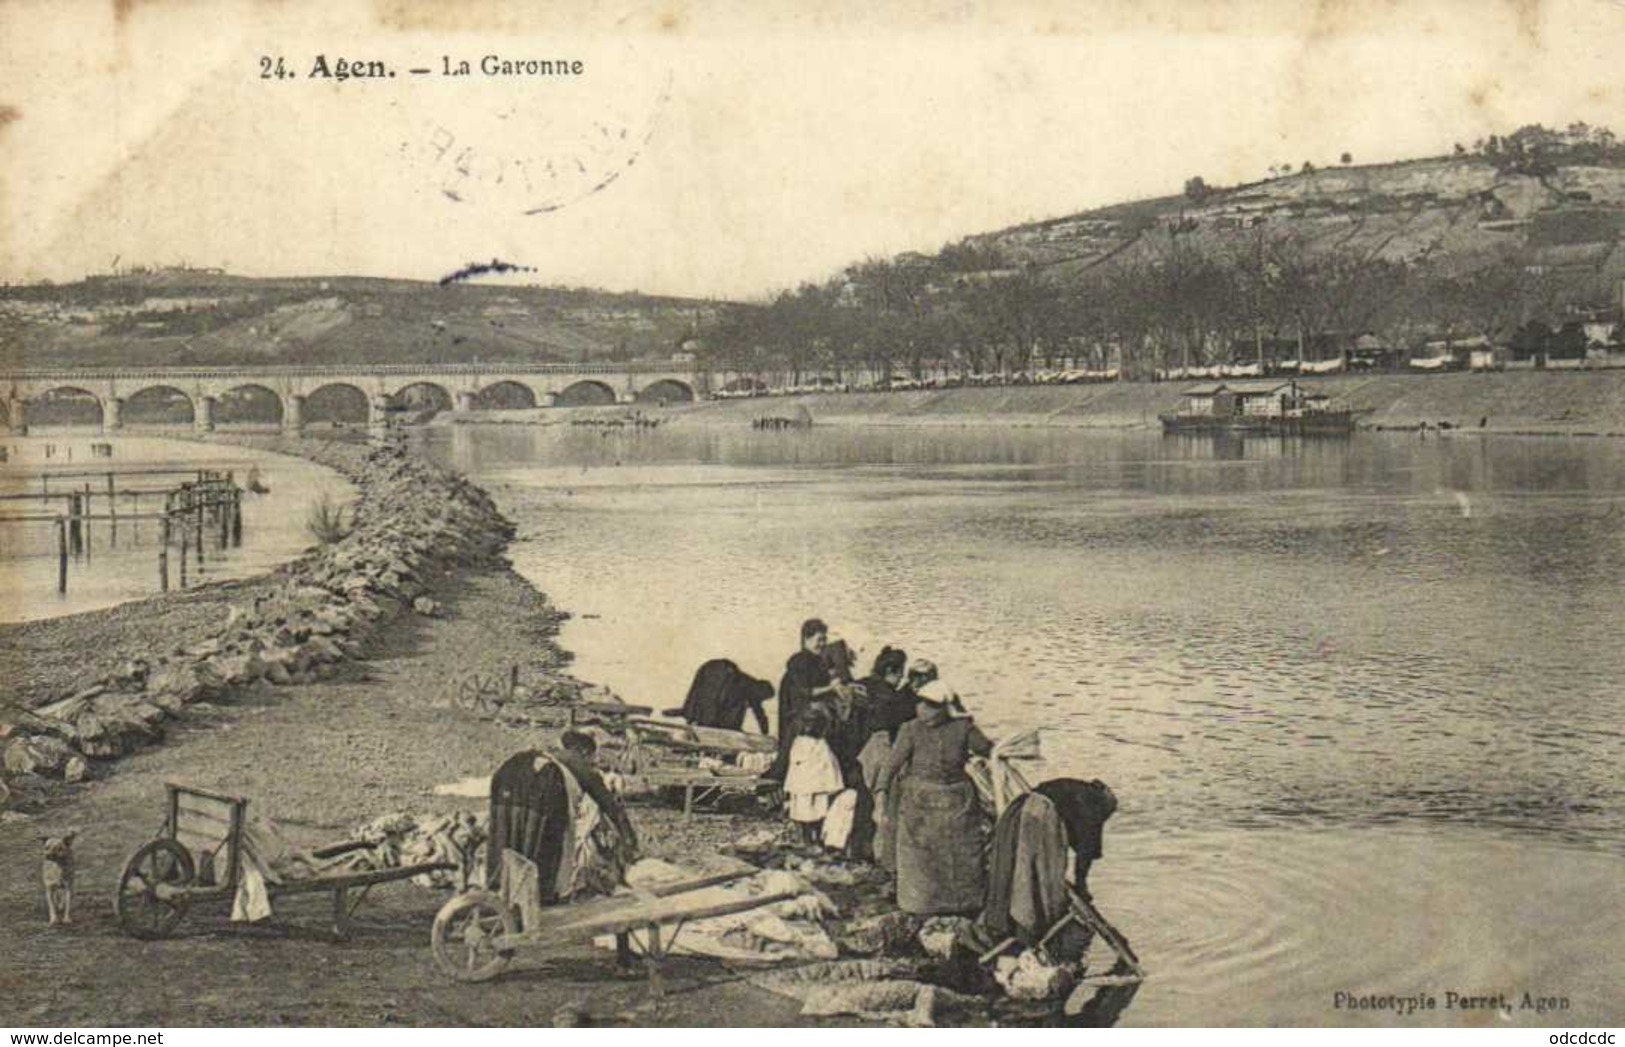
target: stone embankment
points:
(412, 523)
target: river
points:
(273, 523)
(1359, 700)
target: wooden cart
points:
(665, 754)
(478, 933)
(198, 856)
(698, 785)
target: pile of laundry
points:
(778, 847)
(789, 930)
(417, 839)
(880, 990)
(912, 970)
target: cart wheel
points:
(152, 895)
(480, 693)
(463, 935)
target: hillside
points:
(200, 317)
(1459, 213)
(1517, 243)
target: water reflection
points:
(273, 523)
(1288, 657)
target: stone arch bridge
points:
(384, 387)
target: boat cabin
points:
(1261, 399)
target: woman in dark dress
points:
(886, 709)
(806, 678)
(889, 706)
(532, 815)
(938, 819)
(722, 693)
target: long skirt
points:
(531, 815)
(939, 848)
(885, 844)
(876, 840)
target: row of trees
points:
(1537, 150)
(1530, 150)
(1180, 299)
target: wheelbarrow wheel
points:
(464, 935)
(152, 891)
(480, 693)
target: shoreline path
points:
(373, 738)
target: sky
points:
(722, 149)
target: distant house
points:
(1368, 353)
(1455, 354)
(1601, 332)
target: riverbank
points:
(368, 733)
(102, 684)
(1556, 403)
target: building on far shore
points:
(1470, 353)
(1268, 398)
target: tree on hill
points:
(1537, 150)
(1014, 317)
(1529, 341)
(966, 256)
(1196, 189)
(1569, 342)
(1488, 301)
(1347, 158)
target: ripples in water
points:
(1359, 700)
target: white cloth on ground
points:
(786, 931)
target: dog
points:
(57, 872)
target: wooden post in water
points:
(163, 552)
(89, 515)
(237, 517)
(112, 513)
(220, 500)
(184, 543)
(76, 535)
(197, 524)
(61, 556)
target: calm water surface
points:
(1360, 701)
(273, 524)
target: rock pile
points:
(412, 523)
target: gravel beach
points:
(343, 742)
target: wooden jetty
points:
(209, 502)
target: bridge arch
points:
(589, 392)
(666, 391)
(337, 403)
(65, 405)
(504, 395)
(420, 396)
(158, 405)
(249, 404)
